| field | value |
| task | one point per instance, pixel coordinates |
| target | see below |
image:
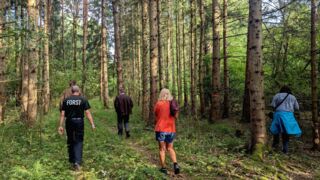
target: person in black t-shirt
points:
(73, 109)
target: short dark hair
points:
(72, 83)
(285, 89)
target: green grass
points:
(204, 151)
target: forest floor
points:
(204, 151)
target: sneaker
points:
(76, 167)
(164, 170)
(176, 168)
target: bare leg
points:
(172, 153)
(162, 153)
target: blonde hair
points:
(165, 95)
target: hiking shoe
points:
(76, 167)
(127, 134)
(164, 170)
(176, 168)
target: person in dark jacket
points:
(123, 105)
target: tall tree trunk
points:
(185, 85)
(153, 58)
(201, 59)
(62, 29)
(17, 56)
(161, 80)
(84, 45)
(246, 97)
(24, 72)
(145, 62)
(314, 75)
(104, 59)
(46, 67)
(215, 106)
(169, 40)
(117, 54)
(256, 87)
(2, 62)
(178, 53)
(74, 33)
(225, 62)
(192, 60)
(33, 62)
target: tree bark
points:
(62, 29)
(116, 24)
(185, 85)
(192, 60)
(2, 63)
(256, 86)
(154, 53)
(33, 62)
(201, 59)
(84, 45)
(24, 72)
(145, 62)
(46, 67)
(104, 58)
(74, 34)
(178, 53)
(314, 75)
(215, 106)
(161, 80)
(225, 62)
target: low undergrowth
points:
(204, 151)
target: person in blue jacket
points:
(284, 122)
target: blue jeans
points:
(75, 133)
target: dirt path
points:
(150, 156)
(153, 159)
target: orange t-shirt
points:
(164, 121)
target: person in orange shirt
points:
(165, 129)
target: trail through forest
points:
(204, 152)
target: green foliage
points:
(204, 151)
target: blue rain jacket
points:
(285, 122)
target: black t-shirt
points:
(74, 106)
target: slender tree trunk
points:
(154, 53)
(192, 60)
(116, 22)
(33, 62)
(185, 85)
(145, 62)
(2, 62)
(256, 87)
(215, 106)
(201, 59)
(104, 58)
(178, 53)
(84, 45)
(74, 34)
(169, 40)
(24, 72)
(225, 62)
(46, 67)
(62, 29)
(314, 75)
(17, 56)
(161, 80)
(246, 97)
